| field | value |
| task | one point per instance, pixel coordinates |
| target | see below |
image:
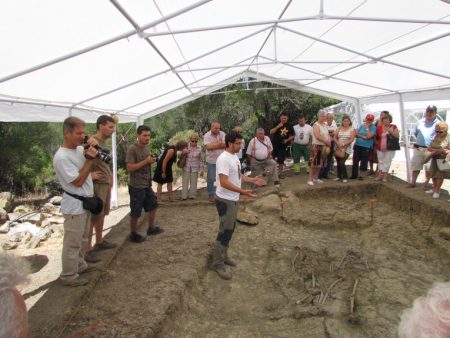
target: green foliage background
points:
(28, 148)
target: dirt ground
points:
(335, 260)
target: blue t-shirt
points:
(362, 142)
(425, 132)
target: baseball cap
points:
(431, 108)
(370, 117)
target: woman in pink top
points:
(385, 155)
(194, 165)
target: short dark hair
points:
(103, 119)
(284, 114)
(231, 137)
(71, 122)
(301, 116)
(432, 108)
(142, 128)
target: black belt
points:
(417, 146)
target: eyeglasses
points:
(194, 141)
(439, 131)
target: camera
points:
(102, 153)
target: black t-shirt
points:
(282, 133)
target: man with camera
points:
(138, 161)
(72, 164)
(106, 126)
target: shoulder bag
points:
(92, 204)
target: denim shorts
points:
(141, 198)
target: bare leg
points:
(159, 192)
(437, 183)
(90, 234)
(170, 192)
(98, 225)
(415, 174)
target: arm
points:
(166, 159)
(215, 145)
(83, 174)
(274, 129)
(394, 131)
(225, 183)
(136, 166)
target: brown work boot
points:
(223, 273)
(74, 282)
(230, 262)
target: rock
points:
(56, 234)
(56, 200)
(44, 234)
(46, 223)
(13, 216)
(445, 233)
(56, 219)
(5, 227)
(35, 218)
(6, 199)
(247, 218)
(34, 243)
(49, 207)
(3, 215)
(27, 236)
(7, 245)
(22, 209)
(15, 236)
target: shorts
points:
(141, 198)
(417, 160)
(102, 191)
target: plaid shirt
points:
(194, 162)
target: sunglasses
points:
(194, 141)
(439, 132)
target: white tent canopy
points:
(140, 58)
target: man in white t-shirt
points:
(73, 171)
(259, 152)
(302, 143)
(229, 178)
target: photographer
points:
(72, 164)
(102, 187)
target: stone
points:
(5, 227)
(27, 236)
(35, 218)
(22, 209)
(13, 216)
(50, 208)
(6, 199)
(247, 218)
(3, 215)
(46, 223)
(44, 234)
(445, 233)
(56, 219)
(56, 200)
(8, 245)
(15, 237)
(34, 243)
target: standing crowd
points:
(84, 172)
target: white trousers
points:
(189, 184)
(385, 160)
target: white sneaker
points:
(344, 181)
(429, 191)
(310, 183)
(436, 195)
(337, 179)
(318, 180)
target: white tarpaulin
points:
(142, 57)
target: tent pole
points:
(405, 136)
(358, 112)
(115, 191)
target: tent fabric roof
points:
(140, 58)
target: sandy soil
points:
(296, 270)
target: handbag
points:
(92, 204)
(339, 152)
(393, 143)
(442, 164)
(181, 162)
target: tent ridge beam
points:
(366, 55)
(296, 19)
(100, 44)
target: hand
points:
(150, 159)
(279, 125)
(92, 141)
(97, 175)
(249, 192)
(163, 175)
(91, 152)
(259, 181)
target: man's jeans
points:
(210, 179)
